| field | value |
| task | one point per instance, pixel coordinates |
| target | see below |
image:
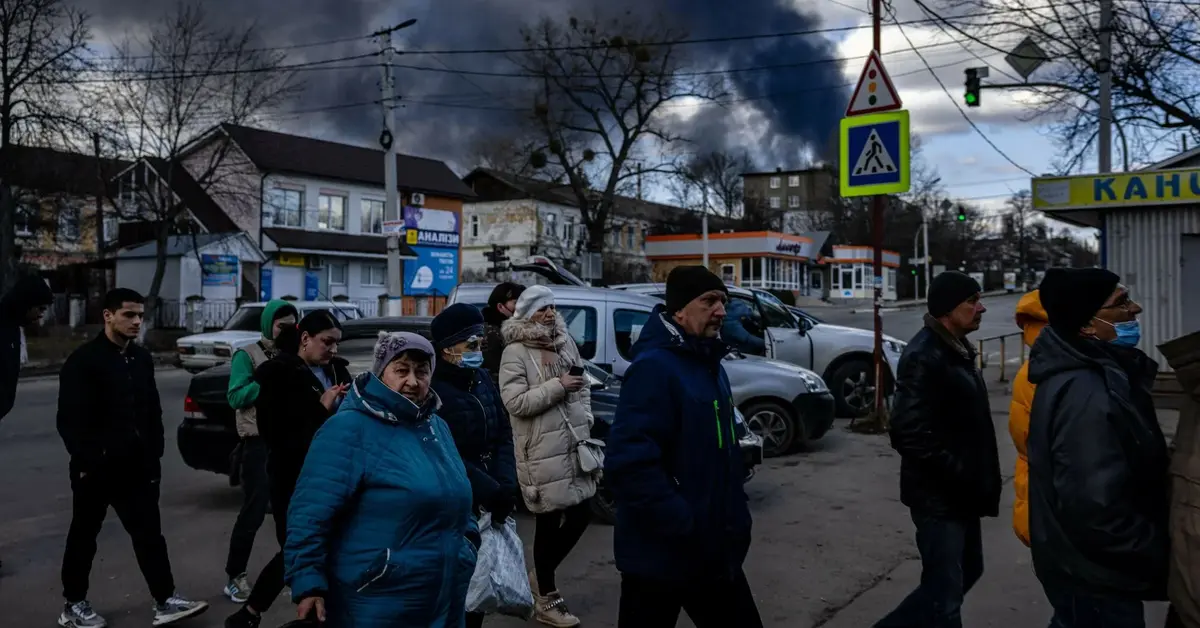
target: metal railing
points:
(981, 358)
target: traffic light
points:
(972, 94)
(914, 271)
(962, 215)
(497, 257)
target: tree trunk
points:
(162, 236)
(8, 236)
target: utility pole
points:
(928, 257)
(102, 186)
(877, 206)
(704, 223)
(1104, 142)
(387, 139)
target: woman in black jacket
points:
(472, 408)
(500, 307)
(299, 389)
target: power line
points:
(959, 107)
(152, 75)
(312, 44)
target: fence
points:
(172, 313)
(1004, 355)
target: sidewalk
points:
(43, 368)
(1009, 593)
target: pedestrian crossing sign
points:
(874, 154)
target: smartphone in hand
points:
(576, 370)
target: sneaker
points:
(551, 610)
(175, 609)
(243, 619)
(80, 615)
(238, 589)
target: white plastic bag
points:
(500, 584)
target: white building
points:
(534, 217)
(315, 208)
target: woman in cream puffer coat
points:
(542, 398)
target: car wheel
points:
(853, 388)
(774, 424)
(604, 510)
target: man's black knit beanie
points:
(688, 282)
(948, 290)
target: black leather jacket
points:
(1098, 463)
(942, 427)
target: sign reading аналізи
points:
(1113, 191)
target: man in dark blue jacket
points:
(675, 469)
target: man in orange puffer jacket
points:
(1031, 318)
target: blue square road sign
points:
(875, 154)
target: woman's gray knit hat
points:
(391, 344)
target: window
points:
(774, 202)
(581, 324)
(374, 274)
(815, 280)
(614, 237)
(569, 229)
(343, 313)
(68, 222)
(112, 227)
(550, 226)
(475, 226)
(627, 325)
(331, 212)
(22, 222)
(337, 273)
(794, 181)
(727, 273)
(372, 216)
(793, 201)
(629, 236)
(288, 206)
(846, 278)
(773, 311)
(774, 183)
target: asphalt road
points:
(832, 544)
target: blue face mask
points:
(1128, 333)
(471, 359)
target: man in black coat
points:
(472, 409)
(1098, 461)
(23, 306)
(110, 419)
(949, 465)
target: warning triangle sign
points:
(874, 158)
(874, 92)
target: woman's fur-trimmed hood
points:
(527, 332)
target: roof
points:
(582, 293)
(193, 196)
(332, 241)
(1181, 160)
(562, 194)
(177, 246)
(50, 170)
(296, 154)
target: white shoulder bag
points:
(588, 451)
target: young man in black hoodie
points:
(110, 419)
(1098, 462)
(23, 306)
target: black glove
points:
(501, 507)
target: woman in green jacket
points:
(242, 394)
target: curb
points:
(908, 305)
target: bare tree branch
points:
(183, 80)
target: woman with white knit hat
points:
(551, 415)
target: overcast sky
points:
(781, 116)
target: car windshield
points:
(245, 319)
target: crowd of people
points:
(377, 482)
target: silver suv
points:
(787, 405)
(844, 356)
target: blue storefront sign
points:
(433, 273)
(265, 287)
(312, 285)
(219, 270)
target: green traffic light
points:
(971, 98)
(962, 217)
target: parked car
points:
(844, 356)
(786, 404)
(207, 435)
(201, 351)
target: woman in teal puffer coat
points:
(380, 530)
